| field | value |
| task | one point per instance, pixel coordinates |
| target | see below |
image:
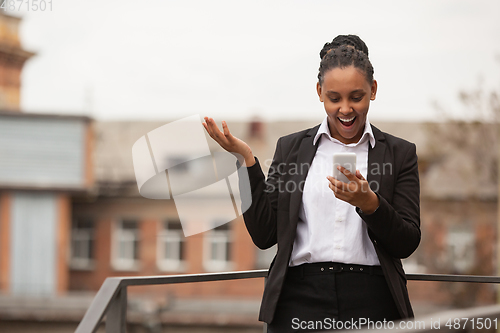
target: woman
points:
(339, 244)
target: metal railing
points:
(111, 299)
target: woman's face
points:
(346, 95)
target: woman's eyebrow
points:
(357, 91)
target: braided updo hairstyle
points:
(345, 51)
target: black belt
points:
(316, 268)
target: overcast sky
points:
(157, 60)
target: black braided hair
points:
(340, 40)
(345, 51)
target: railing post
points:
(265, 324)
(116, 318)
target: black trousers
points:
(324, 296)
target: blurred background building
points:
(71, 216)
(12, 59)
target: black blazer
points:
(394, 227)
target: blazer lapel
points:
(376, 156)
(305, 157)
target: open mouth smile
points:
(347, 122)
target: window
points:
(82, 244)
(217, 249)
(461, 249)
(171, 246)
(126, 245)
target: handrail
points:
(111, 298)
(112, 285)
(453, 278)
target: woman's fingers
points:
(228, 134)
(225, 139)
(207, 126)
(214, 131)
(357, 193)
(359, 175)
(347, 173)
(225, 129)
(336, 184)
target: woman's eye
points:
(334, 100)
(357, 99)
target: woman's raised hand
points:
(229, 142)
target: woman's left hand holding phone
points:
(357, 192)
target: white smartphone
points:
(348, 161)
